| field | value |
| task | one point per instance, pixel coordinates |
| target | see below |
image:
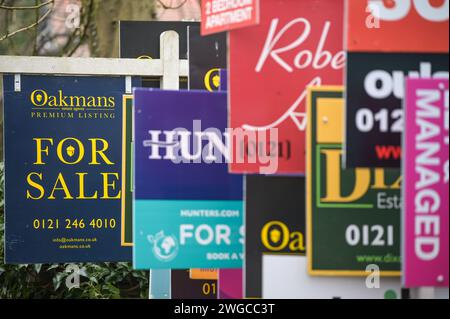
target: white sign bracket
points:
(17, 83)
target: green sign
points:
(353, 215)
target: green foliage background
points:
(105, 280)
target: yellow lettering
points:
(100, 152)
(271, 234)
(52, 101)
(40, 150)
(77, 101)
(91, 101)
(297, 242)
(102, 101)
(39, 97)
(35, 185)
(333, 183)
(81, 190)
(380, 180)
(63, 187)
(107, 185)
(111, 101)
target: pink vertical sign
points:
(230, 284)
(426, 172)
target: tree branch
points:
(36, 29)
(38, 6)
(165, 6)
(9, 35)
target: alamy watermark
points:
(73, 16)
(73, 279)
(397, 10)
(373, 277)
(373, 20)
(212, 146)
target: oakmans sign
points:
(63, 169)
(41, 98)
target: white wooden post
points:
(173, 66)
(160, 282)
(170, 80)
(170, 52)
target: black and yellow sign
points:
(207, 55)
(185, 287)
(141, 40)
(275, 224)
(64, 185)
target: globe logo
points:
(164, 248)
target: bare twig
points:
(38, 6)
(165, 6)
(36, 29)
(42, 18)
(12, 45)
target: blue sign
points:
(187, 208)
(63, 169)
(223, 74)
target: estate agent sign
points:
(63, 169)
(426, 184)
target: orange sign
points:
(204, 274)
(419, 26)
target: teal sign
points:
(203, 234)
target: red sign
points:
(225, 15)
(419, 26)
(297, 44)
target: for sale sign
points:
(225, 15)
(296, 44)
(380, 57)
(353, 215)
(187, 207)
(66, 182)
(426, 174)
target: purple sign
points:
(426, 172)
